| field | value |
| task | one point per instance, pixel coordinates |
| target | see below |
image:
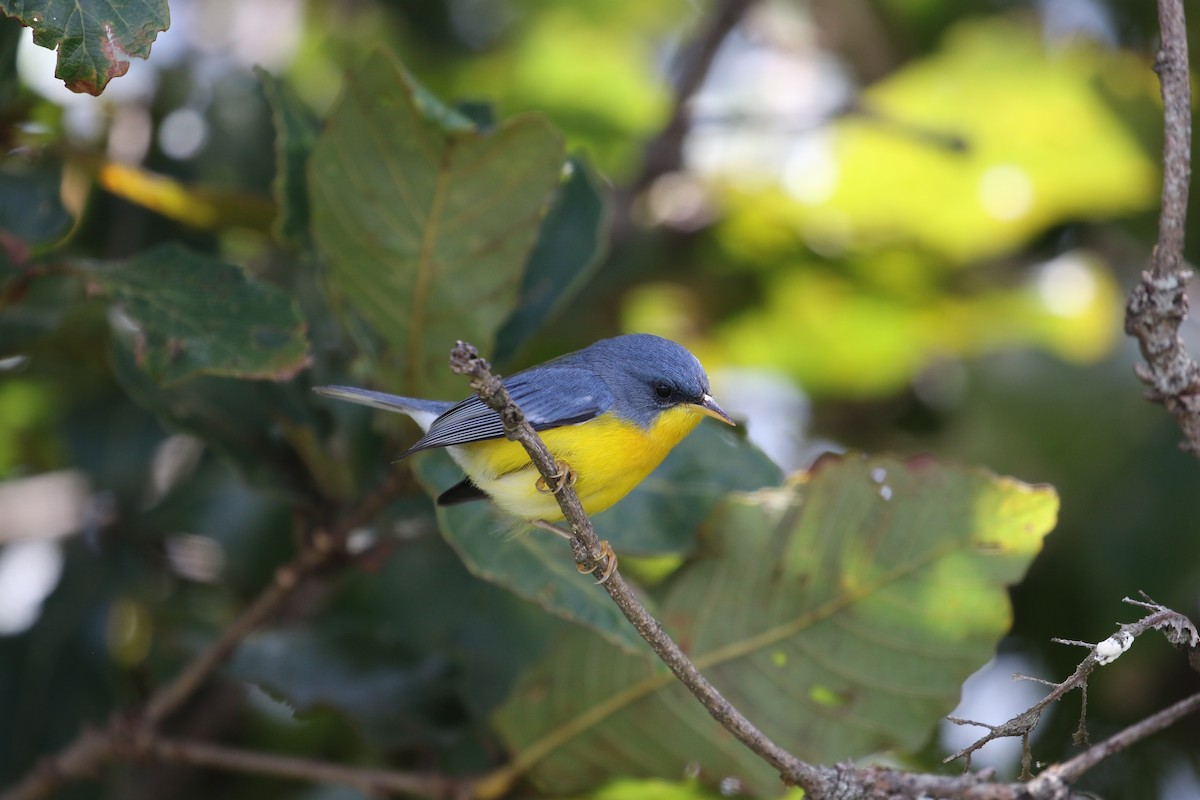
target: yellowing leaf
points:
(838, 334)
(1041, 146)
(198, 206)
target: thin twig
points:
(1178, 629)
(1070, 771)
(80, 759)
(588, 551)
(1158, 304)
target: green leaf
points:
(408, 639)
(94, 38)
(250, 423)
(572, 243)
(193, 315)
(31, 209)
(530, 562)
(384, 687)
(296, 129)
(427, 222)
(840, 613)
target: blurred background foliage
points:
(893, 226)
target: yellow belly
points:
(609, 457)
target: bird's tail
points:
(423, 412)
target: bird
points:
(608, 413)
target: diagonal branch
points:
(1070, 771)
(1158, 304)
(1179, 630)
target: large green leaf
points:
(840, 613)
(426, 221)
(194, 315)
(94, 38)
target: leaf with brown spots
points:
(94, 38)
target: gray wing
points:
(550, 397)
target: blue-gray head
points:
(648, 375)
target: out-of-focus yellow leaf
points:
(893, 213)
(835, 334)
(200, 207)
(1042, 147)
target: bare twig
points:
(322, 548)
(93, 748)
(87, 752)
(1158, 304)
(1178, 629)
(1070, 771)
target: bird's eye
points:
(663, 390)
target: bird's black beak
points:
(709, 407)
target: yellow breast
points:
(609, 456)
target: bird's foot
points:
(609, 559)
(563, 478)
(607, 556)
